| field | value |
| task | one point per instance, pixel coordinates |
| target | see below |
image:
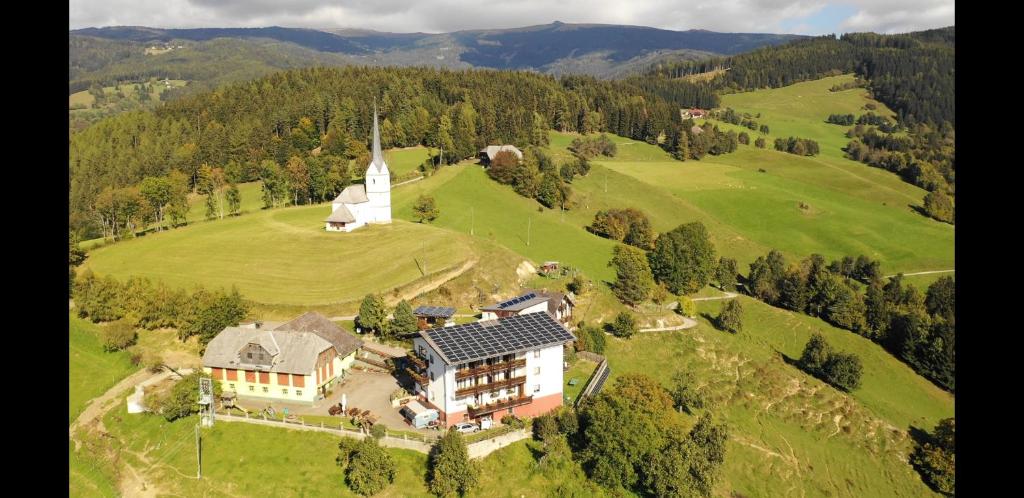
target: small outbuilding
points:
(418, 415)
(431, 316)
(488, 153)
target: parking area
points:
(362, 390)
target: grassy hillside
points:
(284, 256)
(790, 431)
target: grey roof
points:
(434, 311)
(353, 194)
(296, 351)
(493, 150)
(311, 321)
(518, 303)
(378, 158)
(484, 339)
(341, 215)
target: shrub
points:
(568, 422)
(843, 370)
(346, 448)
(378, 430)
(370, 468)
(731, 317)
(687, 307)
(544, 427)
(935, 459)
(119, 335)
(624, 325)
(450, 470)
(513, 421)
(183, 399)
(579, 284)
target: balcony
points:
(493, 386)
(477, 411)
(416, 360)
(485, 369)
(417, 378)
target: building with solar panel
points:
(557, 304)
(491, 368)
(432, 316)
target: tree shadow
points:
(920, 210)
(707, 316)
(789, 360)
(536, 453)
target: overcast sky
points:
(434, 16)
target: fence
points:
(420, 443)
(596, 381)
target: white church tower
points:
(378, 181)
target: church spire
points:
(378, 158)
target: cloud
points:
(765, 16)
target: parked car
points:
(466, 427)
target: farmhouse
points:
(491, 368)
(370, 202)
(557, 304)
(295, 361)
(430, 316)
(487, 153)
(692, 113)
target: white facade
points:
(543, 372)
(376, 206)
(491, 315)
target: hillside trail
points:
(423, 288)
(98, 406)
(922, 273)
(688, 323)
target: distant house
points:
(556, 304)
(430, 316)
(489, 369)
(296, 361)
(693, 113)
(487, 153)
(549, 267)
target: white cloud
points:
(772, 16)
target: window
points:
(536, 388)
(298, 392)
(266, 389)
(431, 376)
(431, 359)
(536, 371)
(249, 355)
(252, 388)
(285, 391)
(536, 354)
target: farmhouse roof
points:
(353, 194)
(434, 311)
(311, 321)
(297, 352)
(341, 215)
(493, 150)
(484, 339)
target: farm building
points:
(370, 202)
(487, 153)
(693, 113)
(431, 316)
(295, 361)
(557, 304)
(488, 369)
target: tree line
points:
(288, 114)
(538, 177)
(919, 328)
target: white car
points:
(466, 427)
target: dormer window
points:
(249, 355)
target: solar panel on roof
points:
(514, 334)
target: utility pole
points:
(529, 224)
(472, 220)
(199, 455)
(606, 182)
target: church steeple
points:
(378, 158)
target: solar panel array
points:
(517, 300)
(439, 311)
(475, 341)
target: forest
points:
(290, 113)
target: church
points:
(370, 202)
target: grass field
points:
(91, 371)
(284, 256)
(84, 98)
(790, 431)
(402, 161)
(581, 370)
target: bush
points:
(935, 459)
(346, 448)
(544, 427)
(687, 307)
(624, 325)
(578, 285)
(119, 335)
(370, 468)
(378, 431)
(183, 398)
(568, 423)
(513, 421)
(731, 317)
(843, 370)
(450, 470)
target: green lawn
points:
(580, 370)
(252, 201)
(783, 423)
(129, 90)
(91, 371)
(404, 160)
(284, 256)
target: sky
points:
(806, 17)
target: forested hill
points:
(103, 55)
(912, 73)
(286, 114)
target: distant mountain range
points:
(601, 50)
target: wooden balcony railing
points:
(418, 378)
(479, 388)
(416, 360)
(484, 369)
(476, 411)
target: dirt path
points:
(922, 273)
(98, 406)
(688, 323)
(728, 295)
